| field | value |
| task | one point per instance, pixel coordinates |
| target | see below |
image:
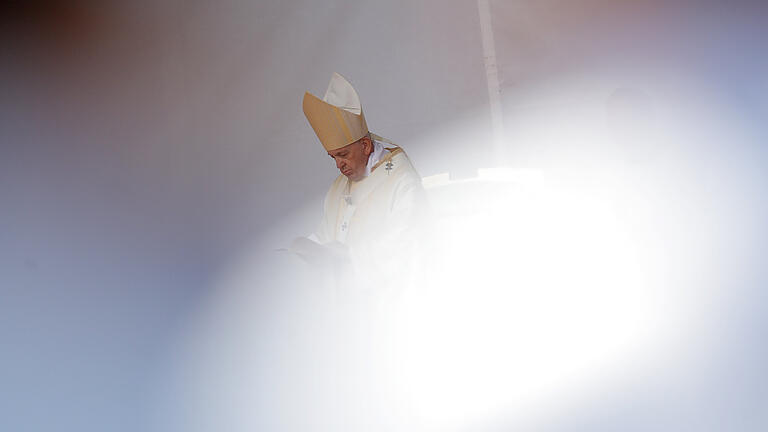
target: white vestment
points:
(376, 218)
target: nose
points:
(339, 162)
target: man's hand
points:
(318, 254)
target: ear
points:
(367, 146)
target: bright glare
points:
(540, 286)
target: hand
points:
(316, 253)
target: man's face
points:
(352, 159)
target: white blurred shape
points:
(539, 287)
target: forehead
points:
(344, 149)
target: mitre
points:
(337, 118)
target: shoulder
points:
(397, 161)
(407, 188)
(403, 169)
(339, 182)
(336, 189)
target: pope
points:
(373, 209)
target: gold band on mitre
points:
(338, 118)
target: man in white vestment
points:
(367, 240)
(372, 209)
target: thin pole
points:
(492, 77)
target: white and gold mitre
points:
(338, 118)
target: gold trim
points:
(392, 151)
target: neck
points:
(376, 153)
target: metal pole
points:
(492, 77)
